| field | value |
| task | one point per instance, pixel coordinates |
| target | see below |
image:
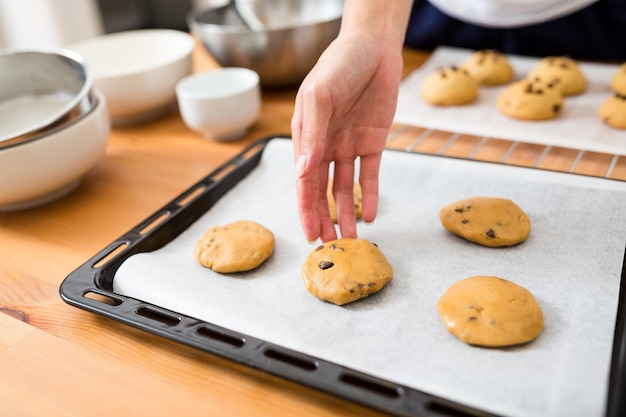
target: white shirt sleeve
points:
(508, 13)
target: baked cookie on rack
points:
(561, 72)
(487, 221)
(490, 311)
(449, 86)
(489, 67)
(530, 99)
(618, 82)
(235, 247)
(345, 270)
(332, 205)
(613, 111)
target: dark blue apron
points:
(597, 32)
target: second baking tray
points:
(92, 287)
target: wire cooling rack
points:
(509, 152)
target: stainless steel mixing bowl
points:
(41, 90)
(294, 35)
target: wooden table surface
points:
(59, 360)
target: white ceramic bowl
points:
(137, 70)
(220, 104)
(48, 167)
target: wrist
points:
(384, 21)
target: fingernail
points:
(300, 166)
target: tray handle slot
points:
(382, 388)
(153, 222)
(235, 341)
(437, 409)
(292, 360)
(254, 149)
(224, 171)
(160, 316)
(191, 195)
(109, 254)
(107, 299)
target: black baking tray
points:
(90, 287)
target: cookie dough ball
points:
(530, 100)
(489, 67)
(618, 82)
(345, 270)
(562, 72)
(490, 311)
(332, 206)
(235, 247)
(613, 111)
(449, 86)
(487, 221)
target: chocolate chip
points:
(472, 318)
(465, 221)
(374, 244)
(463, 209)
(556, 108)
(326, 264)
(490, 233)
(332, 247)
(320, 247)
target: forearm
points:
(384, 20)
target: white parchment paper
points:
(578, 126)
(571, 263)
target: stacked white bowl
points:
(53, 125)
(137, 70)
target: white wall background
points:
(47, 23)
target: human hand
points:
(343, 111)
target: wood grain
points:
(59, 360)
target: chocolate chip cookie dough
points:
(449, 86)
(613, 111)
(562, 72)
(618, 82)
(332, 206)
(487, 221)
(344, 270)
(489, 67)
(530, 99)
(235, 247)
(490, 311)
